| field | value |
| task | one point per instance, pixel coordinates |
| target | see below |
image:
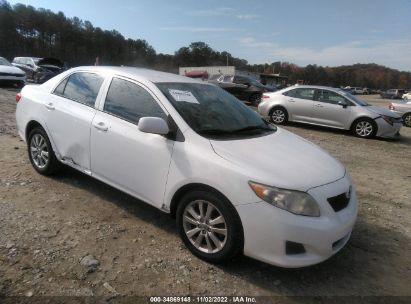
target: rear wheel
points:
(209, 226)
(364, 127)
(279, 116)
(407, 120)
(41, 153)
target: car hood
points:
(11, 69)
(382, 111)
(281, 159)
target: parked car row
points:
(34, 69)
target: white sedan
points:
(10, 74)
(235, 183)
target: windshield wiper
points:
(252, 128)
(233, 132)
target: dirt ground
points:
(48, 225)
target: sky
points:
(328, 33)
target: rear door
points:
(328, 112)
(70, 111)
(299, 104)
(122, 155)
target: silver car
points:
(329, 107)
(402, 108)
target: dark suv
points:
(242, 87)
(39, 70)
(393, 93)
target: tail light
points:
(391, 107)
(265, 97)
(18, 97)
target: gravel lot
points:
(72, 235)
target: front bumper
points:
(267, 229)
(386, 130)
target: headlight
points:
(296, 202)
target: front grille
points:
(11, 74)
(339, 202)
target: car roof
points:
(140, 74)
(315, 87)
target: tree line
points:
(27, 31)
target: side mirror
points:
(343, 103)
(154, 125)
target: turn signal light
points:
(391, 107)
(265, 96)
(18, 97)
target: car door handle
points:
(291, 100)
(49, 106)
(101, 126)
(318, 105)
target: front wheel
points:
(209, 226)
(407, 120)
(365, 128)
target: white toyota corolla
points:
(234, 183)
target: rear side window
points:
(304, 93)
(131, 102)
(80, 87)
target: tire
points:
(41, 153)
(279, 116)
(36, 78)
(407, 120)
(364, 128)
(193, 226)
(255, 99)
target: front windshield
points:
(212, 112)
(3, 61)
(354, 98)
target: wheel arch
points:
(365, 117)
(30, 126)
(188, 188)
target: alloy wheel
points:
(39, 151)
(278, 116)
(364, 128)
(407, 120)
(205, 226)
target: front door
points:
(328, 112)
(122, 155)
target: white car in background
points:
(234, 182)
(10, 74)
(330, 107)
(407, 96)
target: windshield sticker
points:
(185, 96)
